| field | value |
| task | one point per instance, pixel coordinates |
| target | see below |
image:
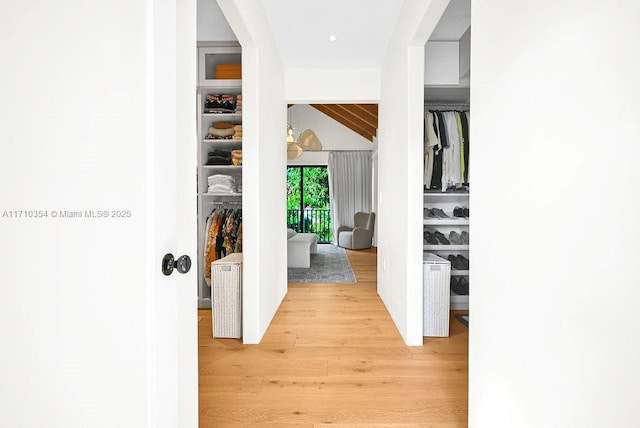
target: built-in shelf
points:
(222, 167)
(222, 141)
(459, 302)
(230, 116)
(447, 194)
(221, 84)
(446, 221)
(445, 247)
(221, 194)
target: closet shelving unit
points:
(447, 201)
(209, 56)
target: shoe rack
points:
(446, 225)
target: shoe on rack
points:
(463, 262)
(430, 238)
(428, 213)
(461, 287)
(465, 212)
(438, 212)
(456, 264)
(457, 212)
(440, 237)
(465, 237)
(453, 282)
(455, 238)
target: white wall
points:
(333, 135)
(400, 154)
(264, 165)
(442, 63)
(554, 338)
(311, 86)
(212, 25)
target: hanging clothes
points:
(447, 148)
(432, 144)
(221, 237)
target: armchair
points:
(360, 235)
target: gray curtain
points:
(350, 178)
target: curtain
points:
(350, 191)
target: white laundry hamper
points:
(226, 296)
(436, 295)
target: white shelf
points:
(222, 142)
(221, 84)
(459, 302)
(446, 221)
(444, 247)
(455, 272)
(237, 115)
(223, 167)
(446, 194)
(221, 194)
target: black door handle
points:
(183, 264)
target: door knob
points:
(183, 264)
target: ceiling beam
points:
(358, 119)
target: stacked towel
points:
(221, 183)
(219, 157)
(237, 132)
(236, 157)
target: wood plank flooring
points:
(333, 357)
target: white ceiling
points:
(362, 29)
(302, 28)
(455, 20)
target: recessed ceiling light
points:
(332, 38)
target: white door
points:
(97, 164)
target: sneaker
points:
(438, 212)
(430, 238)
(440, 237)
(455, 238)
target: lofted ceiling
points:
(360, 118)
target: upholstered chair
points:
(360, 235)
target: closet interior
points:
(219, 115)
(446, 193)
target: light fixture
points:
(307, 140)
(332, 38)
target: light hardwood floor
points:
(333, 357)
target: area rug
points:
(329, 266)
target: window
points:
(308, 208)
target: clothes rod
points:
(446, 106)
(226, 203)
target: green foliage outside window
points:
(313, 214)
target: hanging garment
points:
(462, 144)
(432, 144)
(465, 134)
(451, 157)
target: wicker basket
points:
(436, 295)
(226, 303)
